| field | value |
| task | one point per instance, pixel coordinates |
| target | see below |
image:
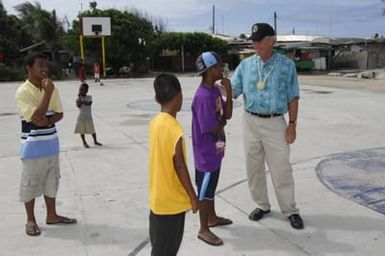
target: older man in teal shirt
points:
(269, 85)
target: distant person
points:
(209, 115)
(85, 123)
(171, 193)
(40, 108)
(269, 85)
(97, 73)
(70, 66)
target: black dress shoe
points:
(296, 221)
(257, 214)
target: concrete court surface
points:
(106, 187)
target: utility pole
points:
(213, 19)
(275, 22)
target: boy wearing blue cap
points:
(209, 115)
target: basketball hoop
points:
(95, 27)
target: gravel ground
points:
(374, 85)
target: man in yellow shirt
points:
(40, 108)
(171, 193)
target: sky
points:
(331, 18)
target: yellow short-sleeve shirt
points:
(28, 97)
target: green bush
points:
(11, 73)
(8, 73)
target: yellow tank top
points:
(166, 194)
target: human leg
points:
(213, 219)
(33, 172)
(51, 208)
(83, 137)
(278, 158)
(255, 160)
(166, 233)
(205, 233)
(95, 140)
(51, 186)
(52, 216)
(29, 208)
(203, 216)
(206, 183)
(31, 228)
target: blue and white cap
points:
(206, 60)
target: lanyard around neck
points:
(268, 73)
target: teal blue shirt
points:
(281, 84)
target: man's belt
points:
(263, 115)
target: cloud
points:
(355, 17)
(166, 8)
(331, 3)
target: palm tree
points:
(40, 24)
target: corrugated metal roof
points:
(224, 37)
(306, 40)
(296, 38)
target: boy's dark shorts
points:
(207, 184)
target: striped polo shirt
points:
(36, 142)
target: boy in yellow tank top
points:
(171, 193)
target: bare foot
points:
(98, 143)
(86, 145)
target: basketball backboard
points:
(96, 26)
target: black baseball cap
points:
(261, 30)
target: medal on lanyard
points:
(261, 85)
(262, 82)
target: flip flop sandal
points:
(221, 222)
(211, 239)
(63, 220)
(32, 229)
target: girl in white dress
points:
(85, 124)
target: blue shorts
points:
(207, 184)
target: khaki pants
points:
(264, 139)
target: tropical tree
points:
(40, 24)
(129, 42)
(12, 39)
(193, 43)
(93, 5)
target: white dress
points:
(85, 124)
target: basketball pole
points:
(95, 27)
(104, 56)
(81, 47)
